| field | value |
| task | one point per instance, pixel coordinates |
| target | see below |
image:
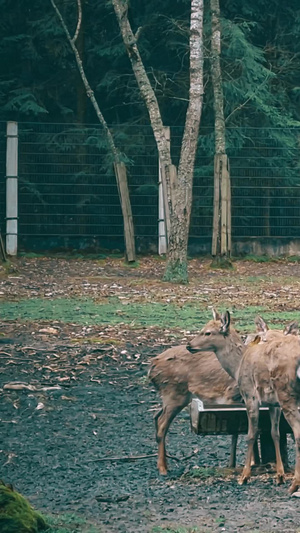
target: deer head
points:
(211, 337)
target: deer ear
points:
(256, 340)
(291, 329)
(216, 314)
(225, 321)
(261, 325)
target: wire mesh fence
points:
(68, 196)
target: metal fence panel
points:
(68, 196)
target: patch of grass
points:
(87, 312)
(259, 258)
(257, 279)
(143, 380)
(132, 264)
(72, 255)
(293, 259)
(202, 473)
(176, 529)
(94, 340)
(71, 523)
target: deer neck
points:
(230, 355)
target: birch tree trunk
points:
(221, 241)
(178, 185)
(182, 202)
(119, 167)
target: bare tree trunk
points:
(80, 89)
(177, 185)
(122, 187)
(221, 241)
(180, 219)
(130, 41)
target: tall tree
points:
(120, 169)
(178, 182)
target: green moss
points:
(221, 262)
(17, 515)
(132, 264)
(176, 272)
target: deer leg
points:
(256, 457)
(163, 421)
(284, 451)
(253, 414)
(275, 418)
(292, 415)
(232, 459)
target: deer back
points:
(198, 373)
(272, 364)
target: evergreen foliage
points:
(260, 61)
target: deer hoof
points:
(294, 487)
(243, 480)
(163, 471)
(280, 479)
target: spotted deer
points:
(266, 372)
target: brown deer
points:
(262, 331)
(178, 375)
(266, 372)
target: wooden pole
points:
(121, 176)
(224, 205)
(163, 206)
(216, 216)
(229, 244)
(12, 188)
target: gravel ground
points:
(52, 440)
(65, 447)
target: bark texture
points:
(146, 90)
(178, 185)
(221, 241)
(181, 213)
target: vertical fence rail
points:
(163, 208)
(12, 189)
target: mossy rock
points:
(16, 513)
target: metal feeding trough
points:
(232, 420)
(228, 419)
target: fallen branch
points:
(128, 458)
(109, 499)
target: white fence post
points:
(12, 188)
(162, 229)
